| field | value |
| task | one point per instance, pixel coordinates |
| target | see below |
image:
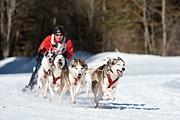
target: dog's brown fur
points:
(100, 81)
(68, 80)
(64, 83)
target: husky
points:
(43, 71)
(89, 72)
(74, 76)
(60, 49)
(54, 76)
(106, 77)
(55, 71)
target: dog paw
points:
(45, 97)
(97, 107)
(105, 97)
(113, 98)
(74, 102)
(87, 97)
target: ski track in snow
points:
(140, 95)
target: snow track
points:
(140, 95)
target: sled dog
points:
(54, 76)
(60, 49)
(106, 77)
(89, 72)
(74, 76)
(55, 71)
(43, 71)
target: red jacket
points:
(47, 44)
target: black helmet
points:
(59, 29)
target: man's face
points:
(58, 37)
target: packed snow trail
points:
(148, 90)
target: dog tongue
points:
(59, 64)
(49, 63)
(120, 73)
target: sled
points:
(31, 83)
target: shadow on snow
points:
(123, 106)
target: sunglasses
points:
(59, 34)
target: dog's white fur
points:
(55, 70)
(60, 49)
(55, 73)
(46, 64)
(100, 80)
(74, 76)
(89, 72)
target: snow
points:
(149, 90)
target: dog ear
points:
(120, 59)
(50, 50)
(113, 62)
(75, 60)
(72, 63)
(54, 54)
(45, 54)
(108, 60)
(85, 65)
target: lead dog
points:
(107, 77)
(43, 71)
(55, 71)
(54, 76)
(74, 76)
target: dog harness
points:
(111, 81)
(97, 70)
(55, 79)
(45, 73)
(75, 83)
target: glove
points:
(41, 51)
